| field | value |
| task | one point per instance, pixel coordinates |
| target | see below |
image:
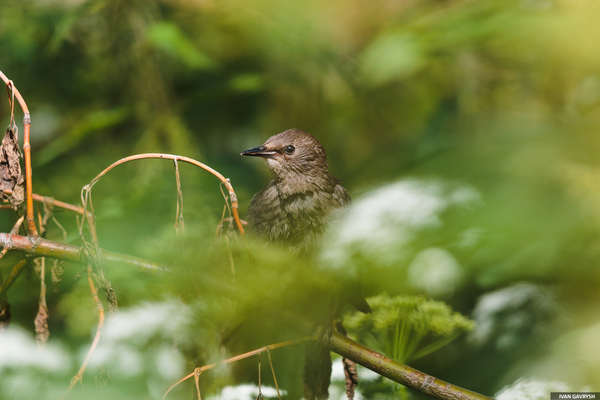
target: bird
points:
(294, 209)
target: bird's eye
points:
(290, 149)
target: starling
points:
(294, 209)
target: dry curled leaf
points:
(57, 271)
(11, 176)
(351, 374)
(111, 297)
(37, 267)
(48, 212)
(41, 324)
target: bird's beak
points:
(260, 151)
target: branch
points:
(387, 367)
(27, 152)
(199, 370)
(56, 203)
(400, 373)
(14, 274)
(39, 247)
(225, 181)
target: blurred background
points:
(466, 131)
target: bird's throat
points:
(292, 184)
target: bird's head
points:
(292, 154)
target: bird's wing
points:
(341, 196)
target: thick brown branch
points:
(387, 367)
(400, 373)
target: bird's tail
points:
(360, 303)
(356, 298)
(317, 371)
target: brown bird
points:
(294, 209)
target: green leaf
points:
(93, 122)
(393, 56)
(170, 39)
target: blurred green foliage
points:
(399, 326)
(412, 100)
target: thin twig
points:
(230, 256)
(27, 152)
(273, 371)
(220, 229)
(14, 274)
(62, 229)
(10, 91)
(90, 217)
(17, 226)
(220, 224)
(239, 357)
(13, 231)
(42, 199)
(226, 205)
(232, 195)
(197, 380)
(39, 214)
(79, 375)
(259, 374)
(179, 222)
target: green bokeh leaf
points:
(392, 56)
(169, 38)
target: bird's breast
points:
(293, 219)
